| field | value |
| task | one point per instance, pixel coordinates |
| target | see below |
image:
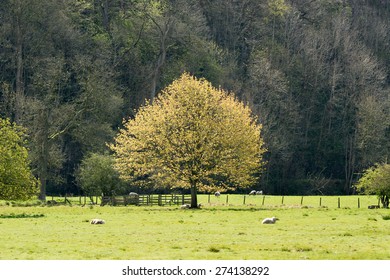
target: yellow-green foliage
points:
(191, 135)
(16, 179)
(277, 7)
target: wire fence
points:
(353, 201)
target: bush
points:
(376, 180)
(97, 176)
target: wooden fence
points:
(370, 202)
(361, 201)
(147, 200)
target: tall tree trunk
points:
(44, 154)
(157, 70)
(106, 18)
(19, 81)
(164, 32)
(349, 163)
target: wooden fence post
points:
(282, 199)
(320, 201)
(338, 202)
(113, 201)
(209, 198)
(301, 200)
(358, 202)
(227, 199)
(244, 199)
(263, 200)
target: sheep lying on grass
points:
(269, 220)
(217, 194)
(97, 222)
(254, 192)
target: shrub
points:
(97, 176)
(376, 180)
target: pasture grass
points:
(350, 201)
(217, 231)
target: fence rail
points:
(357, 201)
(147, 200)
(347, 201)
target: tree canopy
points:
(16, 179)
(192, 136)
(376, 180)
(97, 176)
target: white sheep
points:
(269, 220)
(252, 192)
(185, 206)
(217, 194)
(259, 192)
(97, 222)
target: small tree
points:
(376, 180)
(97, 175)
(192, 136)
(16, 179)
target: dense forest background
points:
(317, 73)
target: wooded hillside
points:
(317, 73)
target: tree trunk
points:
(385, 201)
(164, 33)
(194, 196)
(157, 70)
(106, 19)
(19, 81)
(42, 188)
(349, 165)
(44, 155)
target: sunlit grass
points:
(217, 231)
(289, 201)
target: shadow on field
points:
(21, 216)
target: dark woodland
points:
(315, 72)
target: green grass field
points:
(218, 231)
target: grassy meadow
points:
(219, 230)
